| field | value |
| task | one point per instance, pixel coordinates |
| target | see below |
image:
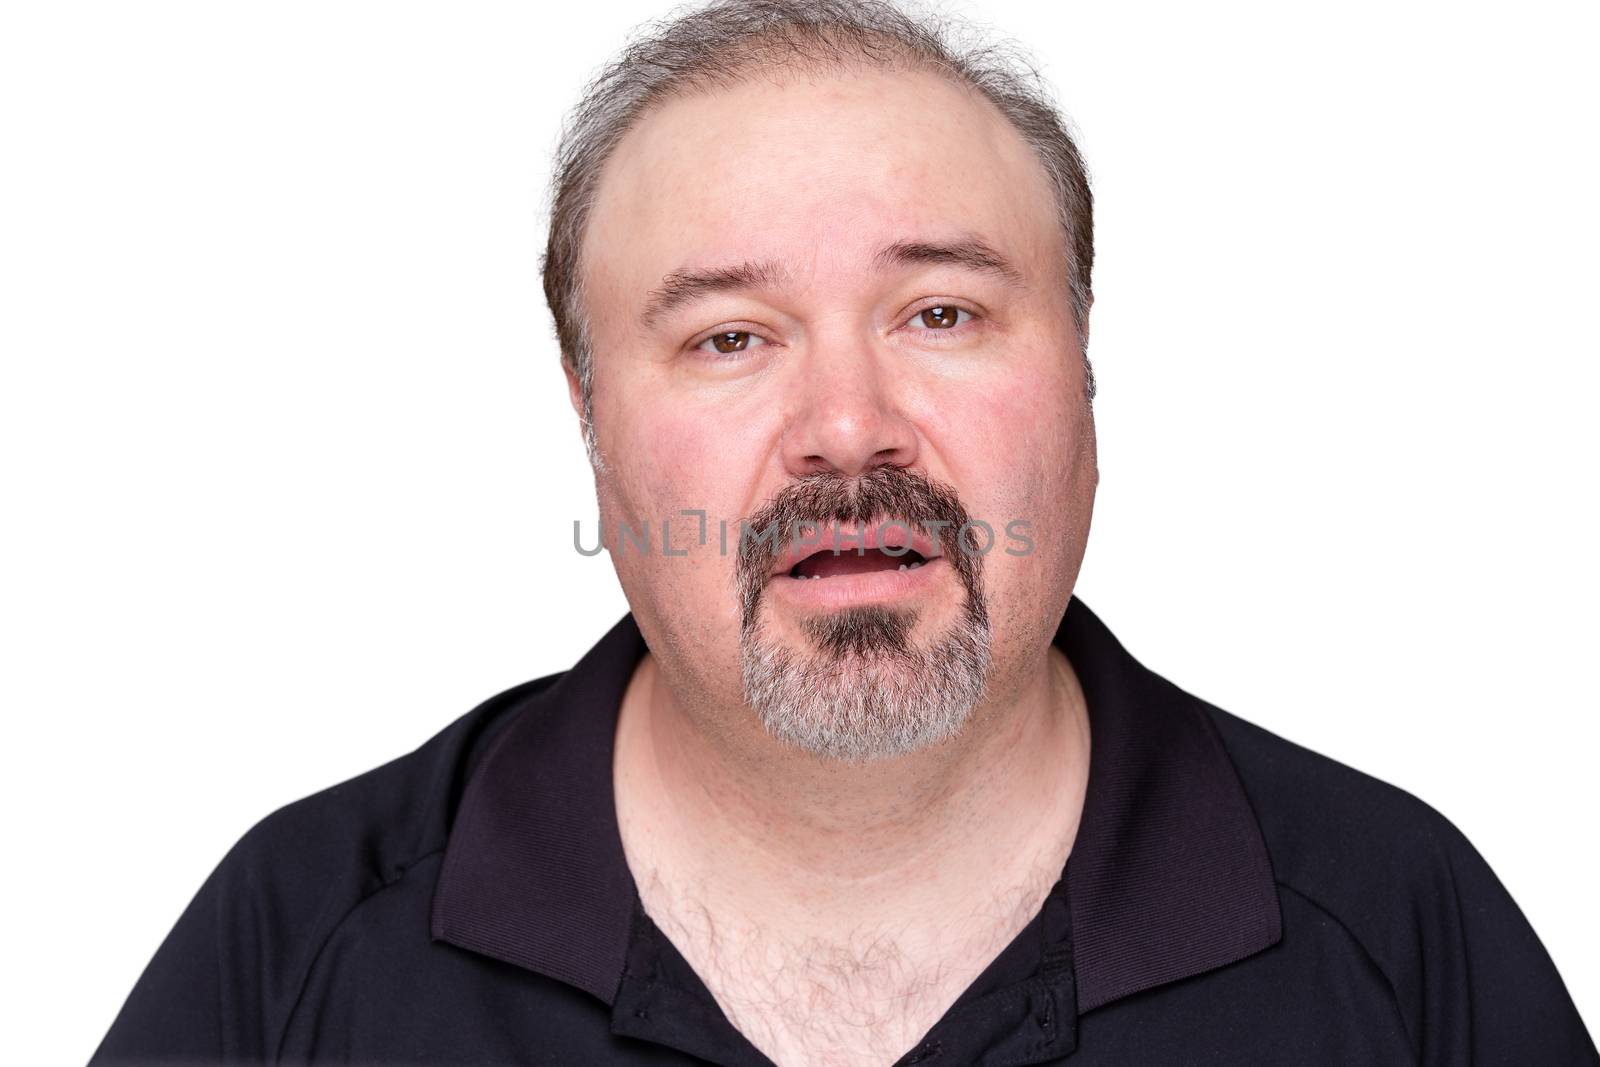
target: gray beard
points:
(867, 692)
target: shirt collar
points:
(1168, 876)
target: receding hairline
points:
(699, 47)
(790, 70)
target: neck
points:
(740, 822)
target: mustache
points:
(887, 493)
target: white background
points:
(289, 472)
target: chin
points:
(859, 686)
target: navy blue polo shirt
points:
(1231, 898)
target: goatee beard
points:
(864, 689)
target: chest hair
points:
(854, 998)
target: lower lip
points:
(850, 590)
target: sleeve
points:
(1489, 992)
(226, 983)
(206, 995)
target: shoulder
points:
(1326, 823)
(1465, 966)
(296, 875)
(1371, 859)
(228, 976)
(362, 833)
(1368, 856)
(1374, 857)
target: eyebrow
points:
(681, 287)
(972, 253)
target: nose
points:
(845, 418)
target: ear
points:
(574, 390)
(575, 397)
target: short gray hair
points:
(714, 45)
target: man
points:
(858, 781)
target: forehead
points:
(817, 173)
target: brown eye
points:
(942, 317)
(730, 342)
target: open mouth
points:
(889, 558)
(826, 563)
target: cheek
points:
(1006, 439)
(677, 443)
(668, 461)
(664, 454)
(1011, 443)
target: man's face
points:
(841, 300)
